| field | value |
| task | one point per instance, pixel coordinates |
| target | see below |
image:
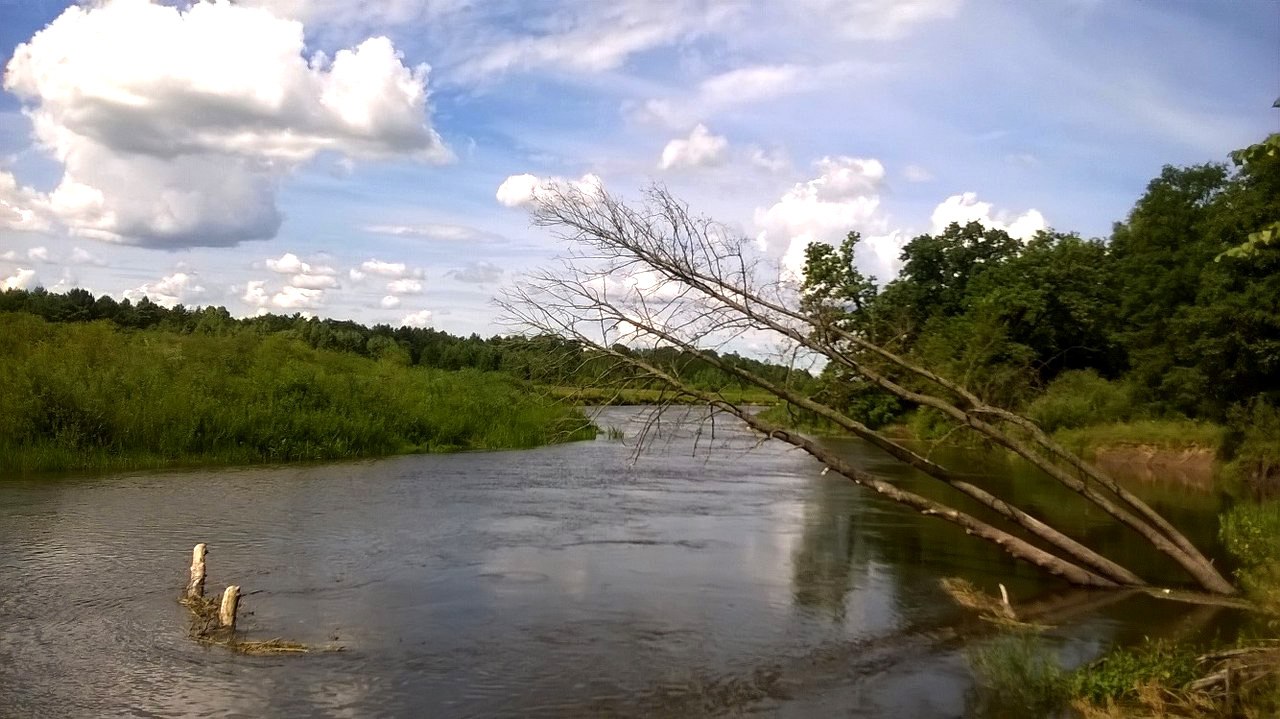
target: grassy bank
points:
(93, 396)
(1174, 434)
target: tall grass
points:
(89, 396)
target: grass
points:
(1018, 674)
(1251, 532)
(95, 397)
(1178, 434)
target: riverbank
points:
(96, 397)
(1184, 450)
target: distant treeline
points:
(543, 360)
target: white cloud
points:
(749, 85)
(405, 287)
(916, 173)
(9, 256)
(876, 19)
(167, 137)
(255, 294)
(297, 298)
(754, 83)
(477, 272)
(518, 190)
(700, 149)
(38, 254)
(591, 37)
(23, 279)
(394, 270)
(965, 208)
(291, 264)
(390, 302)
(177, 288)
(769, 160)
(845, 196)
(433, 231)
(344, 13)
(313, 282)
(81, 256)
(421, 318)
(287, 264)
(21, 208)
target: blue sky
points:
(208, 155)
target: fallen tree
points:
(652, 274)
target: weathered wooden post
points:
(227, 612)
(195, 587)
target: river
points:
(711, 575)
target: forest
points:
(1168, 331)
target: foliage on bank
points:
(95, 395)
(1165, 325)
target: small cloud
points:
(291, 264)
(38, 254)
(314, 282)
(965, 208)
(477, 272)
(255, 294)
(406, 286)
(297, 298)
(519, 190)
(84, 257)
(769, 160)
(385, 269)
(9, 256)
(421, 318)
(175, 289)
(700, 149)
(432, 231)
(390, 302)
(916, 173)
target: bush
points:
(1121, 674)
(1080, 397)
(1251, 532)
(1255, 436)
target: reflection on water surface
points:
(567, 580)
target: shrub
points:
(1251, 532)
(1255, 434)
(1080, 397)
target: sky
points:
(374, 160)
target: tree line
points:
(544, 359)
(1176, 314)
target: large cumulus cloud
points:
(175, 126)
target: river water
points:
(710, 575)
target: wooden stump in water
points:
(227, 612)
(195, 587)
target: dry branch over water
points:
(653, 274)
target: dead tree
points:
(652, 274)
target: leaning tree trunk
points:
(686, 283)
